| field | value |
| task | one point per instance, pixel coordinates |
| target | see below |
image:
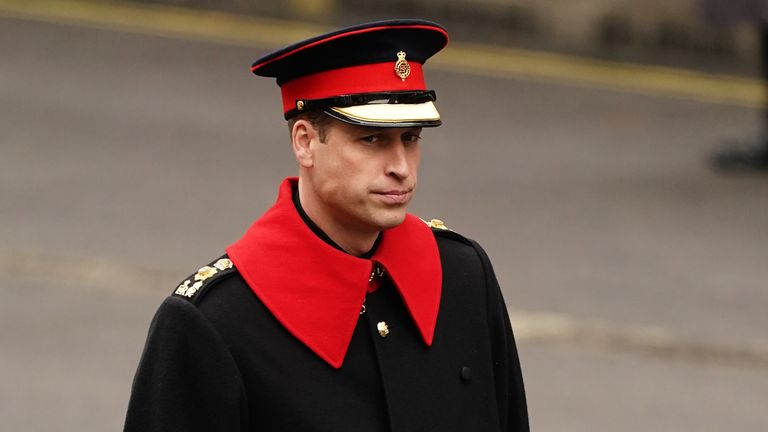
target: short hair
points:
(317, 118)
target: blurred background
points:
(609, 155)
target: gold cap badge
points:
(402, 68)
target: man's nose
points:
(397, 161)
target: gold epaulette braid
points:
(436, 223)
(204, 276)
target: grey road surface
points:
(128, 160)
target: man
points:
(337, 310)
(750, 156)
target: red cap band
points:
(368, 78)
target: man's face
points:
(365, 177)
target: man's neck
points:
(342, 236)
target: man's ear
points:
(302, 136)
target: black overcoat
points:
(220, 361)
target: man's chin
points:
(391, 221)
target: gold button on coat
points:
(383, 329)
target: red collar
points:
(316, 291)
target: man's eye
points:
(411, 138)
(371, 139)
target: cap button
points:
(466, 373)
(300, 105)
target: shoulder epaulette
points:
(439, 229)
(206, 275)
(436, 224)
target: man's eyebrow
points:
(376, 129)
(371, 130)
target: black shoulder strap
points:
(195, 284)
(440, 230)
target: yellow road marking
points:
(470, 58)
(162, 20)
(655, 80)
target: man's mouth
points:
(395, 196)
